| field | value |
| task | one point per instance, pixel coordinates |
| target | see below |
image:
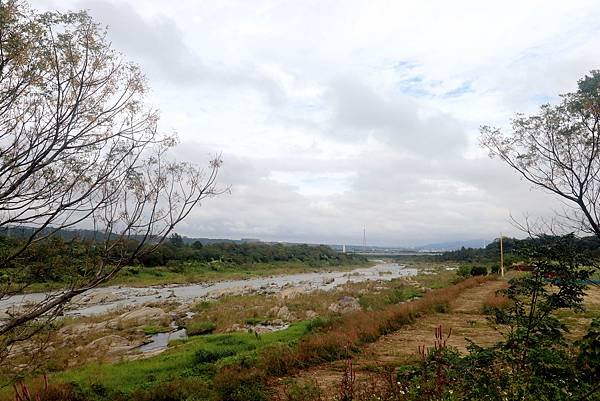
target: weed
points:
(303, 391)
(347, 385)
(493, 302)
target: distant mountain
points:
(69, 234)
(454, 245)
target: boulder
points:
(290, 292)
(282, 313)
(99, 297)
(79, 329)
(137, 317)
(345, 305)
(110, 344)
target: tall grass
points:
(344, 335)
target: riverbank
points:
(83, 350)
(190, 273)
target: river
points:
(101, 300)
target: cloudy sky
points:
(337, 115)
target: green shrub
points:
(588, 360)
(210, 356)
(199, 328)
(442, 307)
(464, 271)
(479, 271)
(317, 323)
(253, 321)
(152, 329)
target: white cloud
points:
(334, 116)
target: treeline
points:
(59, 259)
(176, 251)
(512, 248)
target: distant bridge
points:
(392, 254)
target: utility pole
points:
(501, 257)
(364, 237)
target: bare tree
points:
(79, 147)
(557, 149)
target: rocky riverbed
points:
(101, 300)
(111, 323)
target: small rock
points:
(284, 314)
(237, 327)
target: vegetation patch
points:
(199, 328)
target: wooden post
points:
(501, 257)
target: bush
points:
(442, 307)
(233, 383)
(588, 360)
(479, 271)
(62, 392)
(464, 271)
(305, 391)
(277, 359)
(176, 390)
(210, 356)
(199, 328)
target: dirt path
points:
(465, 321)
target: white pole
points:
(501, 256)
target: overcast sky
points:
(337, 115)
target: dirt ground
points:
(464, 321)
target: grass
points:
(208, 272)
(494, 301)
(198, 357)
(394, 295)
(153, 329)
(253, 309)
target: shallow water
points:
(160, 341)
(305, 282)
